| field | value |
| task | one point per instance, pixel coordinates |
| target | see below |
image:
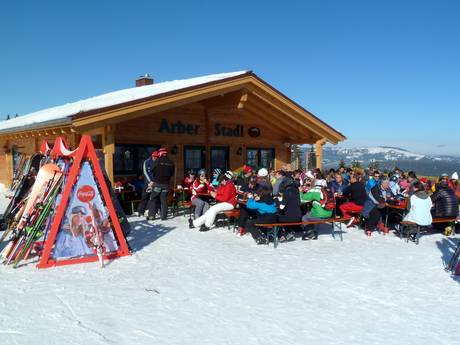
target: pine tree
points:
(342, 164)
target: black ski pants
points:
(245, 215)
(159, 199)
(261, 219)
(143, 204)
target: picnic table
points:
(399, 209)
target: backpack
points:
(328, 200)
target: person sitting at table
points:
(373, 180)
(289, 205)
(246, 191)
(264, 208)
(215, 177)
(189, 179)
(263, 179)
(245, 175)
(226, 201)
(280, 175)
(317, 212)
(374, 205)
(338, 184)
(419, 207)
(201, 190)
(356, 195)
(453, 184)
(444, 200)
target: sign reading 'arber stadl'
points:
(181, 128)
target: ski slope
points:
(185, 287)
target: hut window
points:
(128, 158)
(194, 158)
(219, 158)
(261, 157)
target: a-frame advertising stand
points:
(85, 202)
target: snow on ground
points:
(185, 287)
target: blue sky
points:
(381, 72)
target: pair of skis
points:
(454, 263)
(35, 211)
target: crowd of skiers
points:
(285, 196)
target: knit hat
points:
(162, 152)
(155, 154)
(228, 175)
(262, 172)
(444, 176)
(247, 169)
(217, 171)
(454, 176)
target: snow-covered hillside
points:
(389, 157)
(185, 287)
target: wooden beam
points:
(279, 99)
(301, 121)
(274, 118)
(108, 142)
(319, 152)
(136, 110)
(229, 99)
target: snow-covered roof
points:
(62, 114)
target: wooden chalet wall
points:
(27, 144)
(201, 125)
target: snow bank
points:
(109, 99)
(186, 287)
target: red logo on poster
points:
(86, 193)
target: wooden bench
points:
(274, 227)
(232, 214)
(420, 227)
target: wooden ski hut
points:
(222, 120)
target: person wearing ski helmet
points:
(263, 179)
(226, 201)
(147, 167)
(201, 196)
(215, 177)
(162, 171)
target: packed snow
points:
(181, 286)
(109, 99)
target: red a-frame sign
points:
(84, 152)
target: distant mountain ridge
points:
(389, 157)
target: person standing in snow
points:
(226, 201)
(148, 186)
(162, 171)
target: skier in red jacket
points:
(226, 201)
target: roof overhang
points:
(259, 95)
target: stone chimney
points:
(144, 80)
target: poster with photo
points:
(84, 219)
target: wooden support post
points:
(109, 150)
(207, 145)
(9, 163)
(319, 153)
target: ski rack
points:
(84, 152)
